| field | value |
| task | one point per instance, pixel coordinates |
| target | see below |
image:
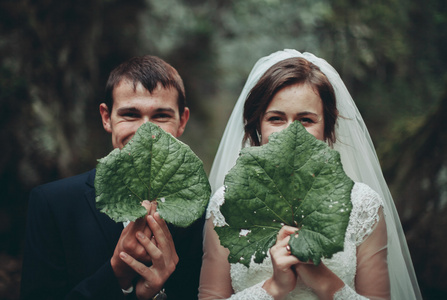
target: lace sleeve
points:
(372, 278)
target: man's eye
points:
(162, 116)
(130, 115)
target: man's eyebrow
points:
(134, 109)
(127, 109)
(165, 109)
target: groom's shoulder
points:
(68, 186)
(79, 179)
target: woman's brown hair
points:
(285, 73)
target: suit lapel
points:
(110, 228)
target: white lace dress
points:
(247, 282)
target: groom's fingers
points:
(161, 241)
(148, 244)
(167, 237)
(134, 264)
(147, 204)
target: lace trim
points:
(255, 292)
(346, 293)
(243, 276)
(213, 209)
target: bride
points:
(375, 264)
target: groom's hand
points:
(164, 258)
(129, 243)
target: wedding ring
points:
(288, 249)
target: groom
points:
(73, 251)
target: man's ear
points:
(105, 116)
(183, 120)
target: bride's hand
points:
(319, 278)
(284, 276)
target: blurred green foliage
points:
(55, 57)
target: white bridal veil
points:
(357, 154)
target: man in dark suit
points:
(73, 251)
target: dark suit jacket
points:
(69, 244)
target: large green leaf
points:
(296, 180)
(153, 166)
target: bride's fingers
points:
(283, 237)
(283, 241)
(279, 251)
(281, 247)
(309, 262)
(286, 231)
(282, 258)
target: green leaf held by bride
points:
(293, 180)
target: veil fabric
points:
(358, 157)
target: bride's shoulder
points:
(218, 197)
(366, 204)
(364, 196)
(213, 209)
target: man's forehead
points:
(137, 108)
(136, 84)
(164, 93)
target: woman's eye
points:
(306, 121)
(274, 119)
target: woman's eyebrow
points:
(279, 112)
(306, 113)
(300, 114)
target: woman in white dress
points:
(375, 264)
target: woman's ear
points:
(105, 116)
